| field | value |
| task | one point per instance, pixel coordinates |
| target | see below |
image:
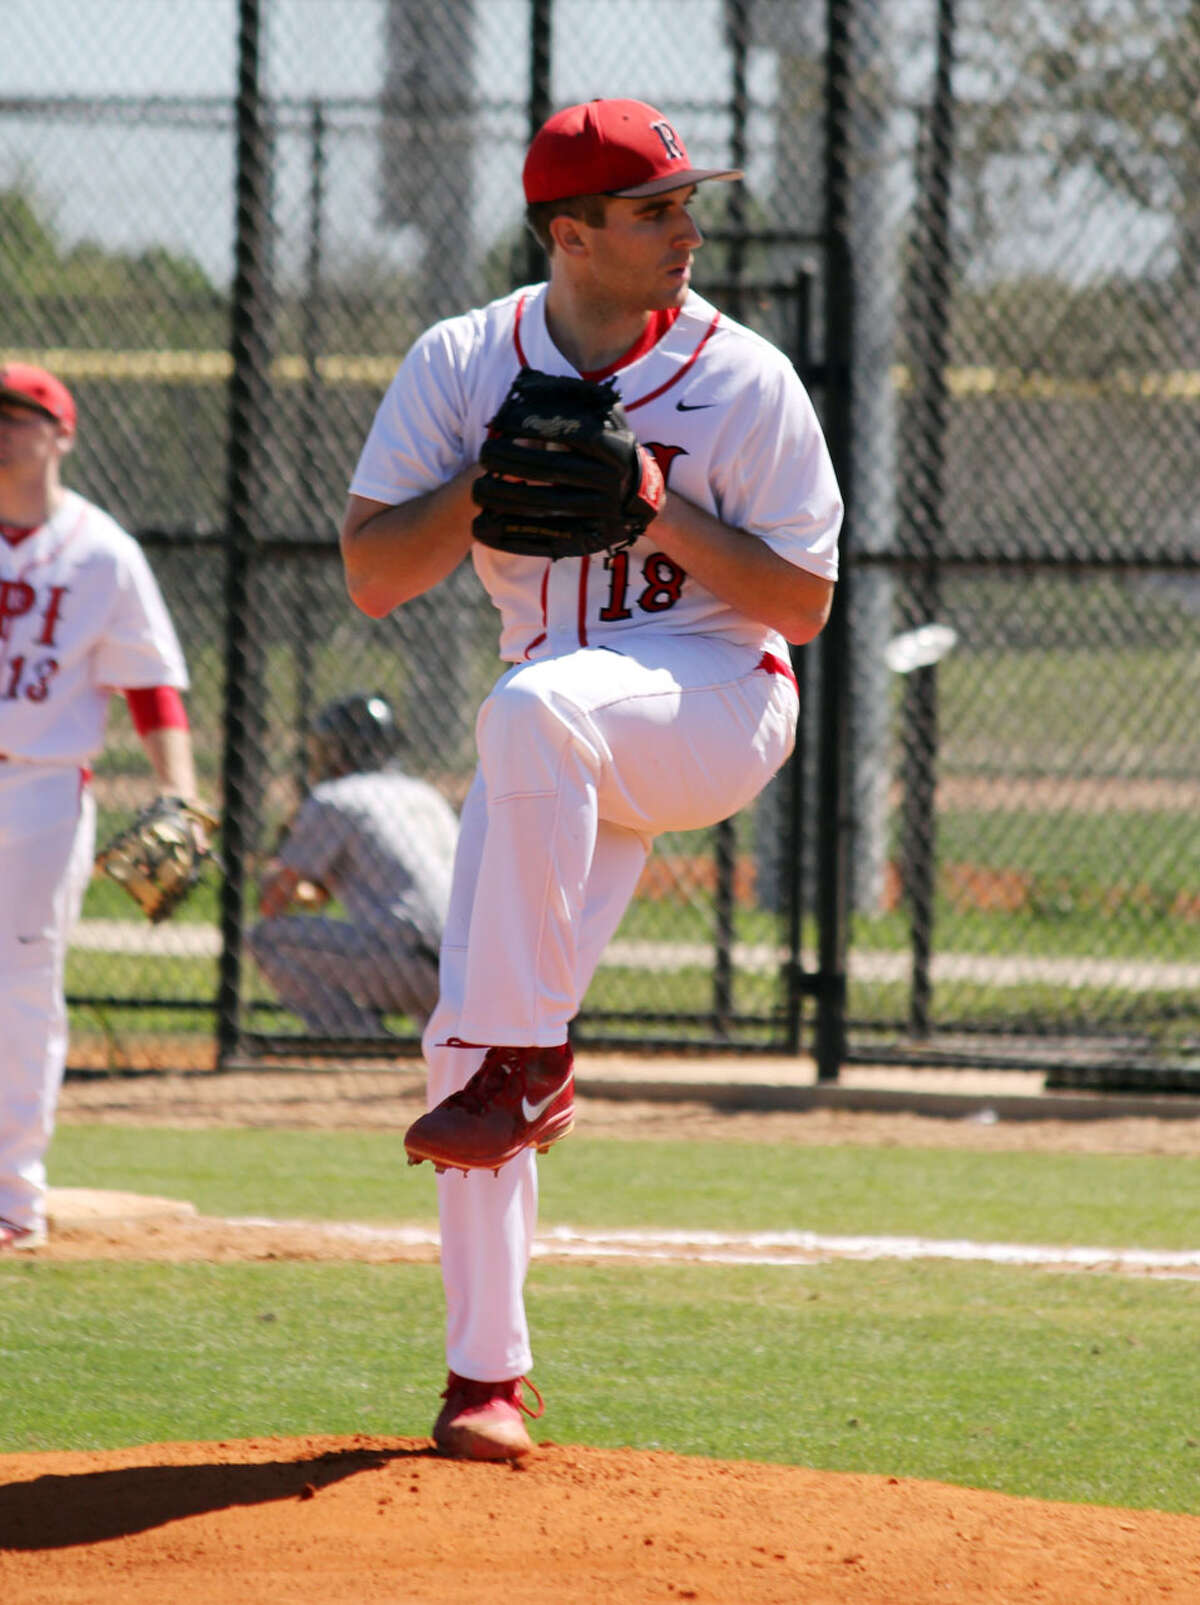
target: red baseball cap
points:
(34, 387)
(610, 147)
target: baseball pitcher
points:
(644, 490)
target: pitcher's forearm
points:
(743, 570)
(391, 554)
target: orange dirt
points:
(374, 1519)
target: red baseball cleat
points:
(21, 1237)
(518, 1098)
(482, 1420)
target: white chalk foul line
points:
(777, 1248)
(784, 1248)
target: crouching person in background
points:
(382, 843)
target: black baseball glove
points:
(158, 858)
(564, 473)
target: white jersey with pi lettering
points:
(724, 413)
(81, 616)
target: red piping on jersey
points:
(14, 534)
(538, 639)
(56, 552)
(520, 349)
(583, 589)
(657, 324)
(676, 377)
(770, 664)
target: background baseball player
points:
(650, 688)
(382, 843)
(81, 615)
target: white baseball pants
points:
(47, 841)
(583, 760)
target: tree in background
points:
(88, 295)
(1096, 104)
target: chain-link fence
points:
(1036, 797)
(976, 231)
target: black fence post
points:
(835, 811)
(725, 833)
(929, 338)
(313, 434)
(738, 24)
(796, 878)
(541, 53)
(250, 345)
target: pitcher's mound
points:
(352, 1520)
(87, 1206)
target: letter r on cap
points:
(670, 140)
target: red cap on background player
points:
(610, 147)
(34, 387)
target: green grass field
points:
(1068, 1386)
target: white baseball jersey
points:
(81, 616)
(724, 413)
(586, 755)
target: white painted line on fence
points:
(981, 969)
(775, 1248)
(1131, 975)
(130, 936)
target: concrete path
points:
(1106, 974)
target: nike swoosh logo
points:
(695, 406)
(532, 1111)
